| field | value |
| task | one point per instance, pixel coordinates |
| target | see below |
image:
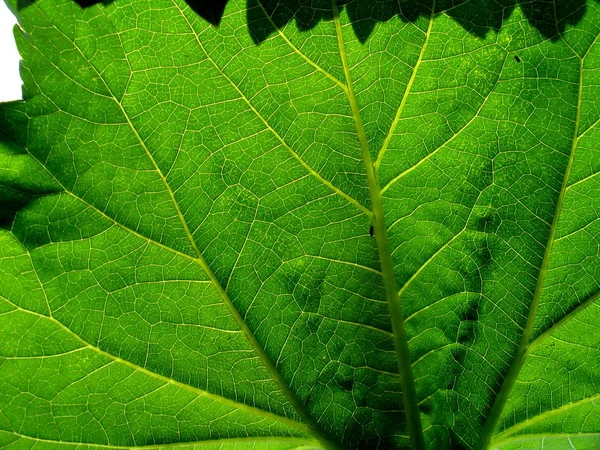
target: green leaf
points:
(372, 225)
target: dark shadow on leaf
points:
(478, 17)
(12, 198)
(23, 180)
(86, 3)
(210, 10)
(11, 202)
(83, 3)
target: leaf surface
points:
(321, 226)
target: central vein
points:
(391, 288)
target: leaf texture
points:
(367, 225)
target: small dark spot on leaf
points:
(517, 59)
(466, 333)
(346, 384)
(313, 323)
(458, 354)
(362, 401)
(466, 329)
(455, 442)
(472, 312)
(425, 408)
(371, 231)
(485, 219)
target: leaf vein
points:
(164, 379)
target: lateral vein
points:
(313, 427)
(268, 126)
(211, 442)
(297, 50)
(521, 353)
(407, 90)
(542, 416)
(583, 305)
(164, 379)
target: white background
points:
(10, 80)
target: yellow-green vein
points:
(285, 388)
(407, 90)
(196, 391)
(268, 126)
(512, 373)
(556, 326)
(541, 417)
(315, 429)
(545, 437)
(297, 51)
(442, 146)
(211, 442)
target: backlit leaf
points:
(366, 225)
